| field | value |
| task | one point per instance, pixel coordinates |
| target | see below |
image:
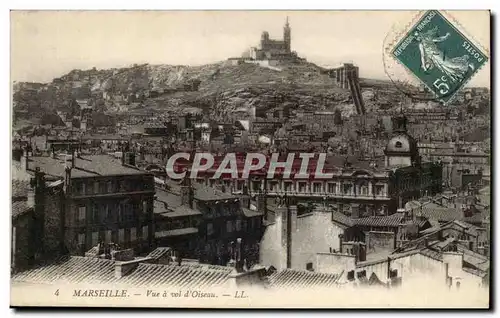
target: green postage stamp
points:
(439, 55)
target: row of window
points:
(106, 212)
(181, 223)
(317, 187)
(121, 236)
(111, 186)
(236, 225)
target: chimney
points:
(187, 193)
(262, 204)
(247, 279)
(123, 255)
(24, 160)
(293, 218)
(124, 268)
(454, 261)
(237, 255)
(37, 188)
(31, 198)
(406, 214)
(67, 179)
(179, 258)
(123, 154)
(281, 222)
(290, 226)
(447, 277)
(388, 268)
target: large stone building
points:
(105, 200)
(202, 222)
(37, 211)
(357, 188)
(270, 49)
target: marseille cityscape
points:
(264, 169)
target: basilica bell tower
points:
(287, 35)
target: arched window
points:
(398, 144)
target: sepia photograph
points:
(250, 159)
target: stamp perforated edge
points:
(454, 23)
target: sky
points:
(48, 44)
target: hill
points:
(214, 88)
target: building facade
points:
(203, 222)
(378, 190)
(36, 228)
(270, 49)
(105, 200)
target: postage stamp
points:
(439, 55)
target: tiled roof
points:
(159, 252)
(76, 269)
(18, 173)
(421, 222)
(251, 213)
(104, 137)
(341, 218)
(205, 193)
(202, 192)
(431, 229)
(354, 161)
(20, 188)
(89, 270)
(88, 166)
(437, 255)
(466, 225)
(467, 228)
(155, 275)
(159, 207)
(289, 278)
(480, 261)
(392, 220)
(476, 272)
(180, 211)
(444, 214)
(442, 244)
(173, 200)
(176, 232)
(197, 265)
(19, 207)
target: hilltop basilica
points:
(270, 49)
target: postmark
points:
(439, 55)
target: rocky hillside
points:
(215, 88)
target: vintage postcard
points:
(251, 159)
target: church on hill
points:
(271, 49)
